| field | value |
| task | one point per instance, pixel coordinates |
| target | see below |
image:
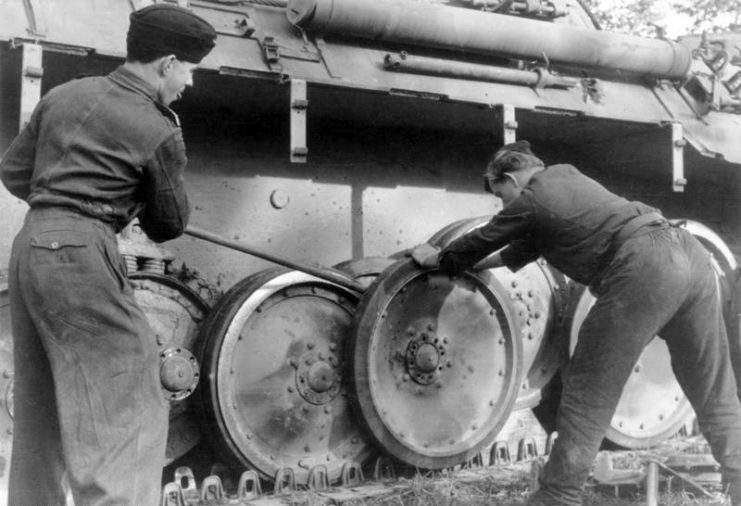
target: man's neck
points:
(147, 72)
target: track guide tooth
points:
(499, 454)
(172, 495)
(212, 490)
(527, 449)
(318, 478)
(352, 474)
(285, 481)
(384, 469)
(249, 486)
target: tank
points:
(340, 133)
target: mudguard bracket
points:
(299, 108)
(31, 81)
(678, 143)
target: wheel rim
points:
(453, 230)
(175, 313)
(539, 310)
(713, 243)
(276, 378)
(436, 364)
(365, 270)
(724, 263)
(6, 383)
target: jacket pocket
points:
(55, 240)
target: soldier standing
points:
(97, 152)
(649, 278)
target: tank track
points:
(518, 453)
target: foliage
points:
(654, 18)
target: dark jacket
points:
(107, 148)
(561, 215)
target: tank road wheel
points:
(713, 243)
(538, 295)
(275, 388)
(175, 313)
(6, 384)
(652, 407)
(436, 363)
(724, 263)
(454, 230)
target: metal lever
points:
(319, 271)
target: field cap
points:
(170, 29)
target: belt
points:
(632, 227)
(44, 212)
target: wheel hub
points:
(179, 373)
(424, 353)
(318, 377)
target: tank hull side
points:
(384, 172)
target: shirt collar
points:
(128, 79)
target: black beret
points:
(168, 29)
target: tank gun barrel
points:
(444, 27)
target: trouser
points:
(87, 393)
(660, 282)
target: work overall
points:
(660, 282)
(80, 337)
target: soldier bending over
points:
(649, 279)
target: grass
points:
(511, 485)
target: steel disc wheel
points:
(6, 384)
(175, 313)
(712, 242)
(453, 230)
(275, 390)
(652, 407)
(536, 293)
(724, 263)
(436, 364)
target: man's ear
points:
(512, 177)
(165, 63)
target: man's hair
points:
(509, 158)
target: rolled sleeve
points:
(166, 212)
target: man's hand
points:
(426, 255)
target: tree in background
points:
(669, 18)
